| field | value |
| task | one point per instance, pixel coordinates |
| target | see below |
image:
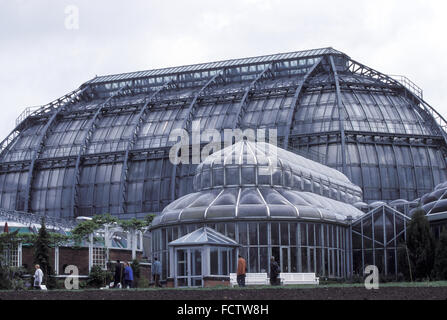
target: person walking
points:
(128, 276)
(38, 277)
(274, 271)
(241, 271)
(156, 271)
(118, 275)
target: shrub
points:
(99, 278)
(441, 257)
(135, 265)
(143, 282)
(421, 246)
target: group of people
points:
(123, 275)
(126, 274)
(242, 270)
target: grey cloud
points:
(40, 60)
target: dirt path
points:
(386, 293)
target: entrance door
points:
(188, 271)
(181, 271)
(196, 267)
(285, 259)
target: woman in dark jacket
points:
(128, 275)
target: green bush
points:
(421, 246)
(11, 278)
(135, 265)
(441, 257)
(99, 278)
(143, 282)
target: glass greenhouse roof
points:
(215, 65)
(204, 236)
(257, 204)
(254, 164)
(435, 203)
(103, 148)
(246, 194)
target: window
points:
(11, 254)
(99, 257)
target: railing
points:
(26, 113)
(410, 85)
(30, 219)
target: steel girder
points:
(187, 122)
(30, 220)
(294, 104)
(244, 102)
(91, 127)
(340, 114)
(131, 142)
(6, 143)
(436, 119)
(40, 144)
(192, 107)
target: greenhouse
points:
(356, 152)
(104, 148)
(298, 211)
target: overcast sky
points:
(41, 60)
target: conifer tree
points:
(42, 253)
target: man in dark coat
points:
(118, 274)
(274, 271)
(156, 271)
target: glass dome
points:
(436, 201)
(260, 181)
(249, 164)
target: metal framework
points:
(295, 100)
(244, 102)
(40, 144)
(130, 144)
(436, 118)
(376, 237)
(298, 93)
(91, 128)
(39, 112)
(340, 114)
(28, 219)
(187, 121)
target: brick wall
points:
(79, 258)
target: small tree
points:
(441, 256)
(135, 265)
(421, 245)
(42, 254)
(99, 278)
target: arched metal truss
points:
(40, 144)
(26, 116)
(90, 129)
(295, 100)
(243, 104)
(341, 114)
(150, 101)
(186, 125)
(436, 118)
